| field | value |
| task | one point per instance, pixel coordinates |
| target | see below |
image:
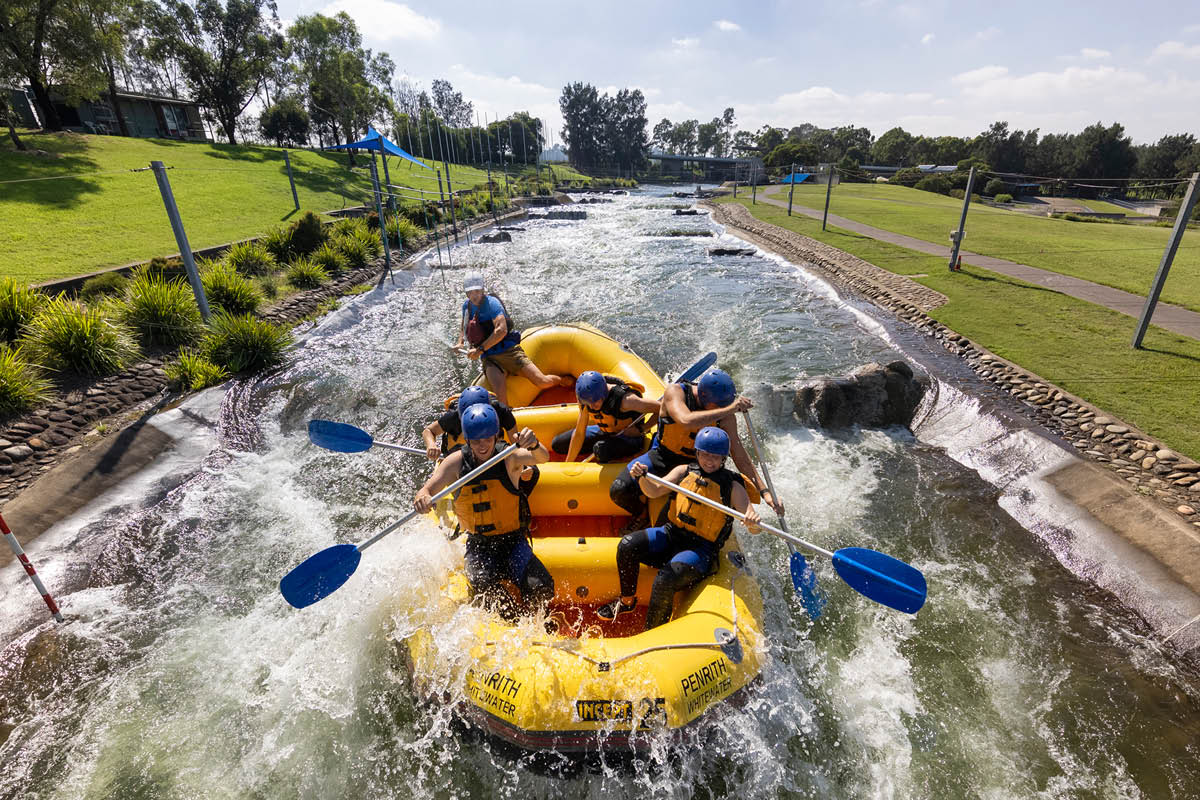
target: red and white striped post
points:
(29, 570)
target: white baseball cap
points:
(473, 281)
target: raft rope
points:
(1181, 628)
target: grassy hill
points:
(85, 209)
(1122, 256)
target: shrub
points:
(278, 242)
(164, 311)
(307, 234)
(304, 273)
(268, 285)
(958, 194)
(108, 284)
(251, 258)
(242, 343)
(934, 183)
(352, 249)
(194, 371)
(372, 221)
(995, 186)
(22, 387)
(1004, 198)
(348, 225)
(229, 290)
(330, 258)
(909, 176)
(402, 232)
(67, 335)
(371, 241)
(167, 268)
(18, 306)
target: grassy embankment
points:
(1122, 256)
(1082, 347)
(73, 225)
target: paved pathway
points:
(1170, 317)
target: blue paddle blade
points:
(338, 436)
(882, 578)
(805, 581)
(320, 576)
(696, 370)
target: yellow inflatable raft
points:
(594, 684)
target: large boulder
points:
(872, 396)
(494, 238)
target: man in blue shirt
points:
(489, 330)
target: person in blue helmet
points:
(612, 419)
(449, 425)
(685, 550)
(489, 512)
(686, 409)
(492, 338)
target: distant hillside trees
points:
(285, 122)
(603, 132)
(693, 138)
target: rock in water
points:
(872, 396)
(731, 251)
(493, 238)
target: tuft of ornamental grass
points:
(330, 258)
(242, 343)
(268, 285)
(278, 242)
(371, 241)
(70, 337)
(163, 311)
(19, 304)
(251, 258)
(193, 371)
(306, 273)
(403, 232)
(22, 386)
(348, 225)
(353, 250)
(110, 284)
(229, 290)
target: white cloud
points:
(1176, 50)
(1094, 54)
(987, 34)
(685, 43)
(980, 75)
(726, 25)
(1192, 29)
(385, 20)
(927, 39)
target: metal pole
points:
(754, 187)
(828, 190)
(387, 178)
(1164, 266)
(524, 149)
(792, 188)
(957, 235)
(185, 250)
(735, 166)
(387, 251)
(291, 180)
(30, 571)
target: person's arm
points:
(745, 465)
(577, 436)
(429, 435)
(634, 402)
(530, 452)
(462, 330)
(650, 488)
(674, 405)
(741, 502)
(443, 476)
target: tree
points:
(1166, 158)
(767, 139)
(285, 122)
(113, 23)
(684, 137)
(792, 152)
(583, 123)
(661, 135)
(1102, 152)
(450, 105)
(224, 53)
(707, 136)
(892, 148)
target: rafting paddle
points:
(880, 577)
(322, 574)
(803, 578)
(343, 438)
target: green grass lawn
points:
(1082, 347)
(82, 223)
(1122, 256)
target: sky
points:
(934, 68)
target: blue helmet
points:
(716, 388)
(591, 387)
(712, 440)
(472, 395)
(480, 422)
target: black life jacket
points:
(609, 417)
(674, 436)
(704, 521)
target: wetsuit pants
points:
(490, 560)
(608, 447)
(625, 491)
(682, 559)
